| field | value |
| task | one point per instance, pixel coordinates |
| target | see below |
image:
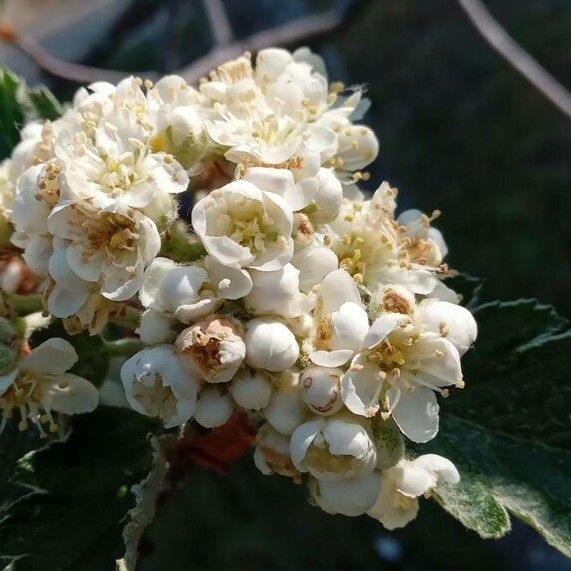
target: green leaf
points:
(74, 515)
(468, 287)
(11, 111)
(44, 103)
(19, 105)
(13, 446)
(508, 431)
(93, 356)
(503, 327)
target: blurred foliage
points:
(462, 132)
(20, 105)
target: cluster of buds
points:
(297, 298)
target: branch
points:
(57, 67)
(141, 516)
(219, 22)
(303, 30)
(516, 56)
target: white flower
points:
(358, 147)
(321, 389)
(251, 390)
(277, 181)
(182, 291)
(452, 321)
(278, 293)
(401, 485)
(285, 411)
(213, 407)
(111, 249)
(270, 345)
(313, 263)
(213, 348)
(417, 226)
(333, 449)
(267, 116)
(228, 282)
(156, 384)
(242, 226)
(7, 189)
(390, 298)
(349, 496)
(271, 455)
(342, 323)
(30, 217)
(119, 174)
(401, 366)
(35, 146)
(41, 384)
(323, 195)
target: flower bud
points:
(270, 345)
(285, 411)
(213, 407)
(328, 198)
(213, 348)
(186, 127)
(278, 292)
(156, 328)
(251, 390)
(320, 389)
(270, 63)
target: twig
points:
(63, 69)
(219, 22)
(306, 29)
(516, 56)
(302, 30)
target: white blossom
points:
(278, 293)
(111, 249)
(401, 485)
(333, 448)
(342, 323)
(400, 367)
(157, 384)
(452, 321)
(213, 348)
(271, 455)
(182, 291)
(40, 385)
(243, 226)
(349, 496)
(285, 412)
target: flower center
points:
(25, 395)
(157, 399)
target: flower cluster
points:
(295, 297)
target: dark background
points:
(460, 131)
